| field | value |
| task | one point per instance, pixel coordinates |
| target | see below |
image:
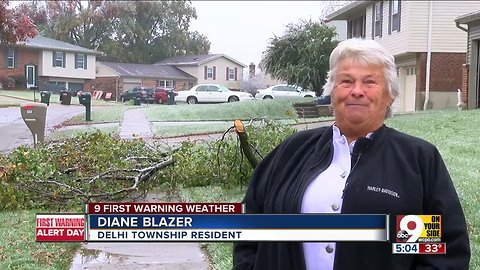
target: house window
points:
(58, 56)
(231, 74)
(209, 72)
(11, 58)
(394, 16)
(165, 84)
(80, 60)
(377, 19)
(356, 28)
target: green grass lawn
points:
(100, 115)
(18, 249)
(65, 134)
(276, 109)
(456, 136)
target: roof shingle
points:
(40, 42)
(147, 71)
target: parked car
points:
(144, 93)
(161, 95)
(324, 100)
(211, 93)
(283, 91)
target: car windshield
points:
(223, 88)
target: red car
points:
(160, 95)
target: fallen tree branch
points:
(244, 145)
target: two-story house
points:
(42, 61)
(424, 40)
(210, 68)
(470, 23)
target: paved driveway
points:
(14, 132)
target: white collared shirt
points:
(324, 195)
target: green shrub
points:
(221, 162)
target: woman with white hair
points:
(344, 168)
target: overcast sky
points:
(242, 29)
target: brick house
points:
(410, 30)
(470, 76)
(43, 62)
(210, 68)
(115, 78)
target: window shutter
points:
(399, 14)
(5, 57)
(226, 76)
(381, 19)
(205, 72)
(373, 22)
(64, 59)
(235, 74)
(214, 72)
(15, 57)
(53, 58)
(76, 60)
(390, 15)
(85, 57)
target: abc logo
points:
(402, 235)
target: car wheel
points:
(192, 100)
(308, 96)
(233, 99)
(267, 97)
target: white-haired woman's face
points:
(360, 98)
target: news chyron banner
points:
(209, 222)
(60, 227)
(419, 234)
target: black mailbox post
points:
(86, 100)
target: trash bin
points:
(137, 101)
(171, 97)
(45, 97)
(65, 97)
(86, 100)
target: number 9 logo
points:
(413, 226)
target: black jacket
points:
(409, 166)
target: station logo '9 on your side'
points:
(418, 228)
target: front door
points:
(31, 76)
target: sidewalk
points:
(134, 256)
(126, 256)
(135, 125)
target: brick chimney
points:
(251, 70)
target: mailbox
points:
(86, 100)
(35, 114)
